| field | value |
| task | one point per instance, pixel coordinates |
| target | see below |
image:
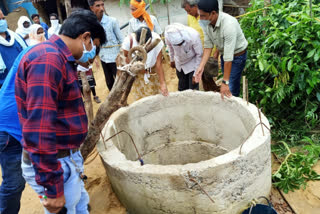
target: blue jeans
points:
(238, 65)
(77, 198)
(12, 180)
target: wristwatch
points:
(225, 82)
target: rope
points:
(111, 46)
(126, 68)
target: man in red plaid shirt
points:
(52, 114)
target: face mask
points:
(87, 55)
(3, 26)
(54, 23)
(204, 23)
(41, 37)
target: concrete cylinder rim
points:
(135, 167)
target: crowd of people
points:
(43, 120)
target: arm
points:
(197, 46)
(228, 53)
(130, 29)
(208, 46)
(117, 32)
(171, 54)
(44, 79)
(159, 69)
(204, 60)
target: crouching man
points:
(185, 50)
(224, 31)
(52, 114)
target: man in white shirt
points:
(185, 50)
(141, 18)
(111, 48)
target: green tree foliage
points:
(283, 66)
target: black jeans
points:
(185, 81)
(110, 72)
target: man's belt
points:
(240, 53)
(61, 154)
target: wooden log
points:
(67, 4)
(87, 96)
(59, 11)
(115, 100)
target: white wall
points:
(122, 13)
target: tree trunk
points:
(116, 99)
(42, 13)
(118, 95)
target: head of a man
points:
(53, 16)
(137, 8)
(83, 33)
(35, 18)
(97, 7)
(3, 23)
(208, 11)
(174, 34)
(191, 7)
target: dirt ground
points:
(104, 201)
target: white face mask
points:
(41, 37)
(54, 23)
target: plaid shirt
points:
(50, 110)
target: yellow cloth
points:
(193, 22)
(141, 11)
(140, 89)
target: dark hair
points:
(81, 21)
(208, 5)
(91, 2)
(53, 14)
(35, 15)
(138, 34)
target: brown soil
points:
(104, 201)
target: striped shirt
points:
(50, 109)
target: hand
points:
(193, 80)
(173, 64)
(225, 91)
(198, 75)
(164, 90)
(54, 205)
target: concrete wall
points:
(123, 15)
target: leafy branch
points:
(296, 169)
